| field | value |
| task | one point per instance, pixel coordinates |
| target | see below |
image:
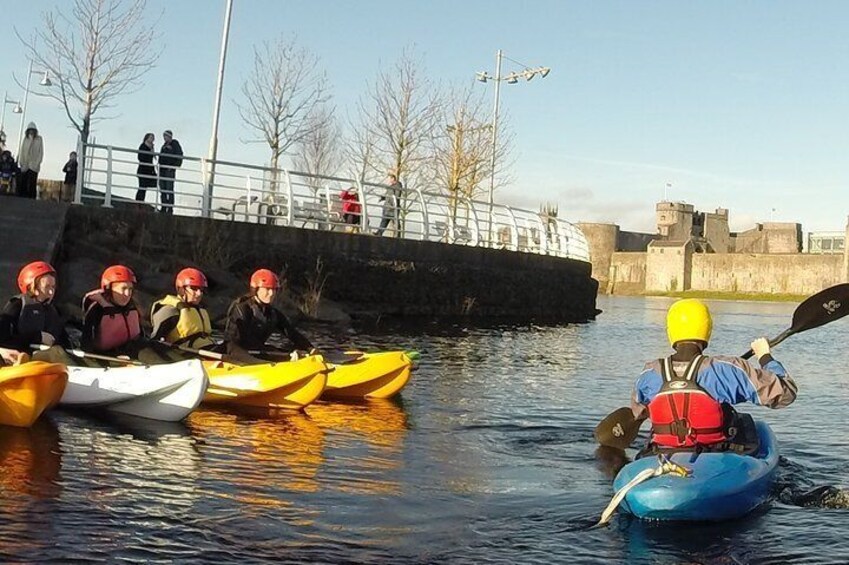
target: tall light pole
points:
(16, 110)
(213, 140)
(45, 81)
(527, 73)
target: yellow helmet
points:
(688, 320)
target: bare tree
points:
(462, 152)
(399, 116)
(282, 95)
(319, 152)
(96, 50)
(359, 152)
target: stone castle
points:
(694, 250)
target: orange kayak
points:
(28, 389)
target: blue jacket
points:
(730, 380)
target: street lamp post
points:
(45, 81)
(527, 73)
(16, 110)
(213, 140)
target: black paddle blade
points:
(619, 429)
(823, 307)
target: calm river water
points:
(488, 458)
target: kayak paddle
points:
(86, 355)
(620, 428)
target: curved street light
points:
(45, 81)
(16, 110)
(527, 73)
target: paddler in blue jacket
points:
(688, 395)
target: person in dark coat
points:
(30, 317)
(69, 187)
(146, 171)
(170, 159)
(252, 319)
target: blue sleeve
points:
(727, 383)
(647, 386)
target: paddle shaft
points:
(86, 355)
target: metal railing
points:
(250, 193)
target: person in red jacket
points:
(351, 207)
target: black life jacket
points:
(37, 317)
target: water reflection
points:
(290, 444)
(31, 460)
(365, 442)
(136, 468)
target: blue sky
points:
(741, 105)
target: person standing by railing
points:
(391, 204)
(170, 159)
(69, 187)
(146, 171)
(29, 159)
(351, 208)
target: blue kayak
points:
(723, 486)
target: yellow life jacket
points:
(194, 327)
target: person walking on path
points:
(146, 171)
(170, 159)
(69, 187)
(391, 204)
(29, 160)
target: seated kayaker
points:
(31, 317)
(689, 396)
(180, 319)
(251, 319)
(112, 321)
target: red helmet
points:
(190, 277)
(30, 273)
(264, 278)
(116, 274)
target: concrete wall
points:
(668, 266)
(770, 237)
(627, 273)
(784, 274)
(368, 275)
(716, 231)
(602, 240)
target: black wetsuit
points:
(250, 324)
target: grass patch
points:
(717, 295)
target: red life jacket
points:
(683, 414)
(117, 327)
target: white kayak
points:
(158, 392)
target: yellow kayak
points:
(373, 375)
(291, 384)
(28, 389)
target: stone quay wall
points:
(365, 275)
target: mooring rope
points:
(665, 466)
